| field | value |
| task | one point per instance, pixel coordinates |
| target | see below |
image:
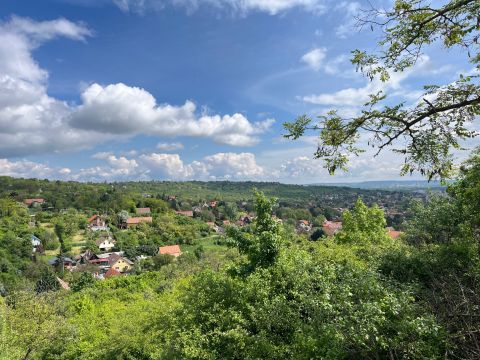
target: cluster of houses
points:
(109, 264)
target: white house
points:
(105, 243)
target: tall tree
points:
(424, 133)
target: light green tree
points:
(363, 225)
(262, 244)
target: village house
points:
(304, 225)
(97, 223)
(214, 226)
(173, 250)
(36, 244)
(120, 263)
(33, 202)
(143, 211)
(213, 203)
(184, 213)
(68, 263)
(105, 242)
(330, 228)
(133, 221)
(85, 257)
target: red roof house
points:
(173, 250)
(137, 220)
(112, 272)
(33, 201)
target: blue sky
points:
(184, 89)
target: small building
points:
(212, 203)
(133, 221)
(105, 243)
(330, 228)
(120, 263)
(173, 250)
(214, 226)
(143, 211)
(304, 225)
(97, 223)
(36, 245)
(188, 213)
(68, 263)
(33, 202)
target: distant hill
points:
(391, 185)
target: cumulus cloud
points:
(240, 7)
(235, 166)
(125, 110)
(29, 169)
(169, 166)
(32, 122)
(232, 166)
(314, 58)
(317, 60)
(170, 146)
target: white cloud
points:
(124, 110)
(314, 58)
(317, 60)
(351, 9)
(121, 165)
(240, 7)
(27, 169)
(355, 97)
(168, 166)
(170, 146)
(32, 122)
(233, 166)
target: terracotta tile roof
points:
(92, 218)
(137, 220)
(112, 272)
(143, 211)
(31, 201)
(171, 250)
